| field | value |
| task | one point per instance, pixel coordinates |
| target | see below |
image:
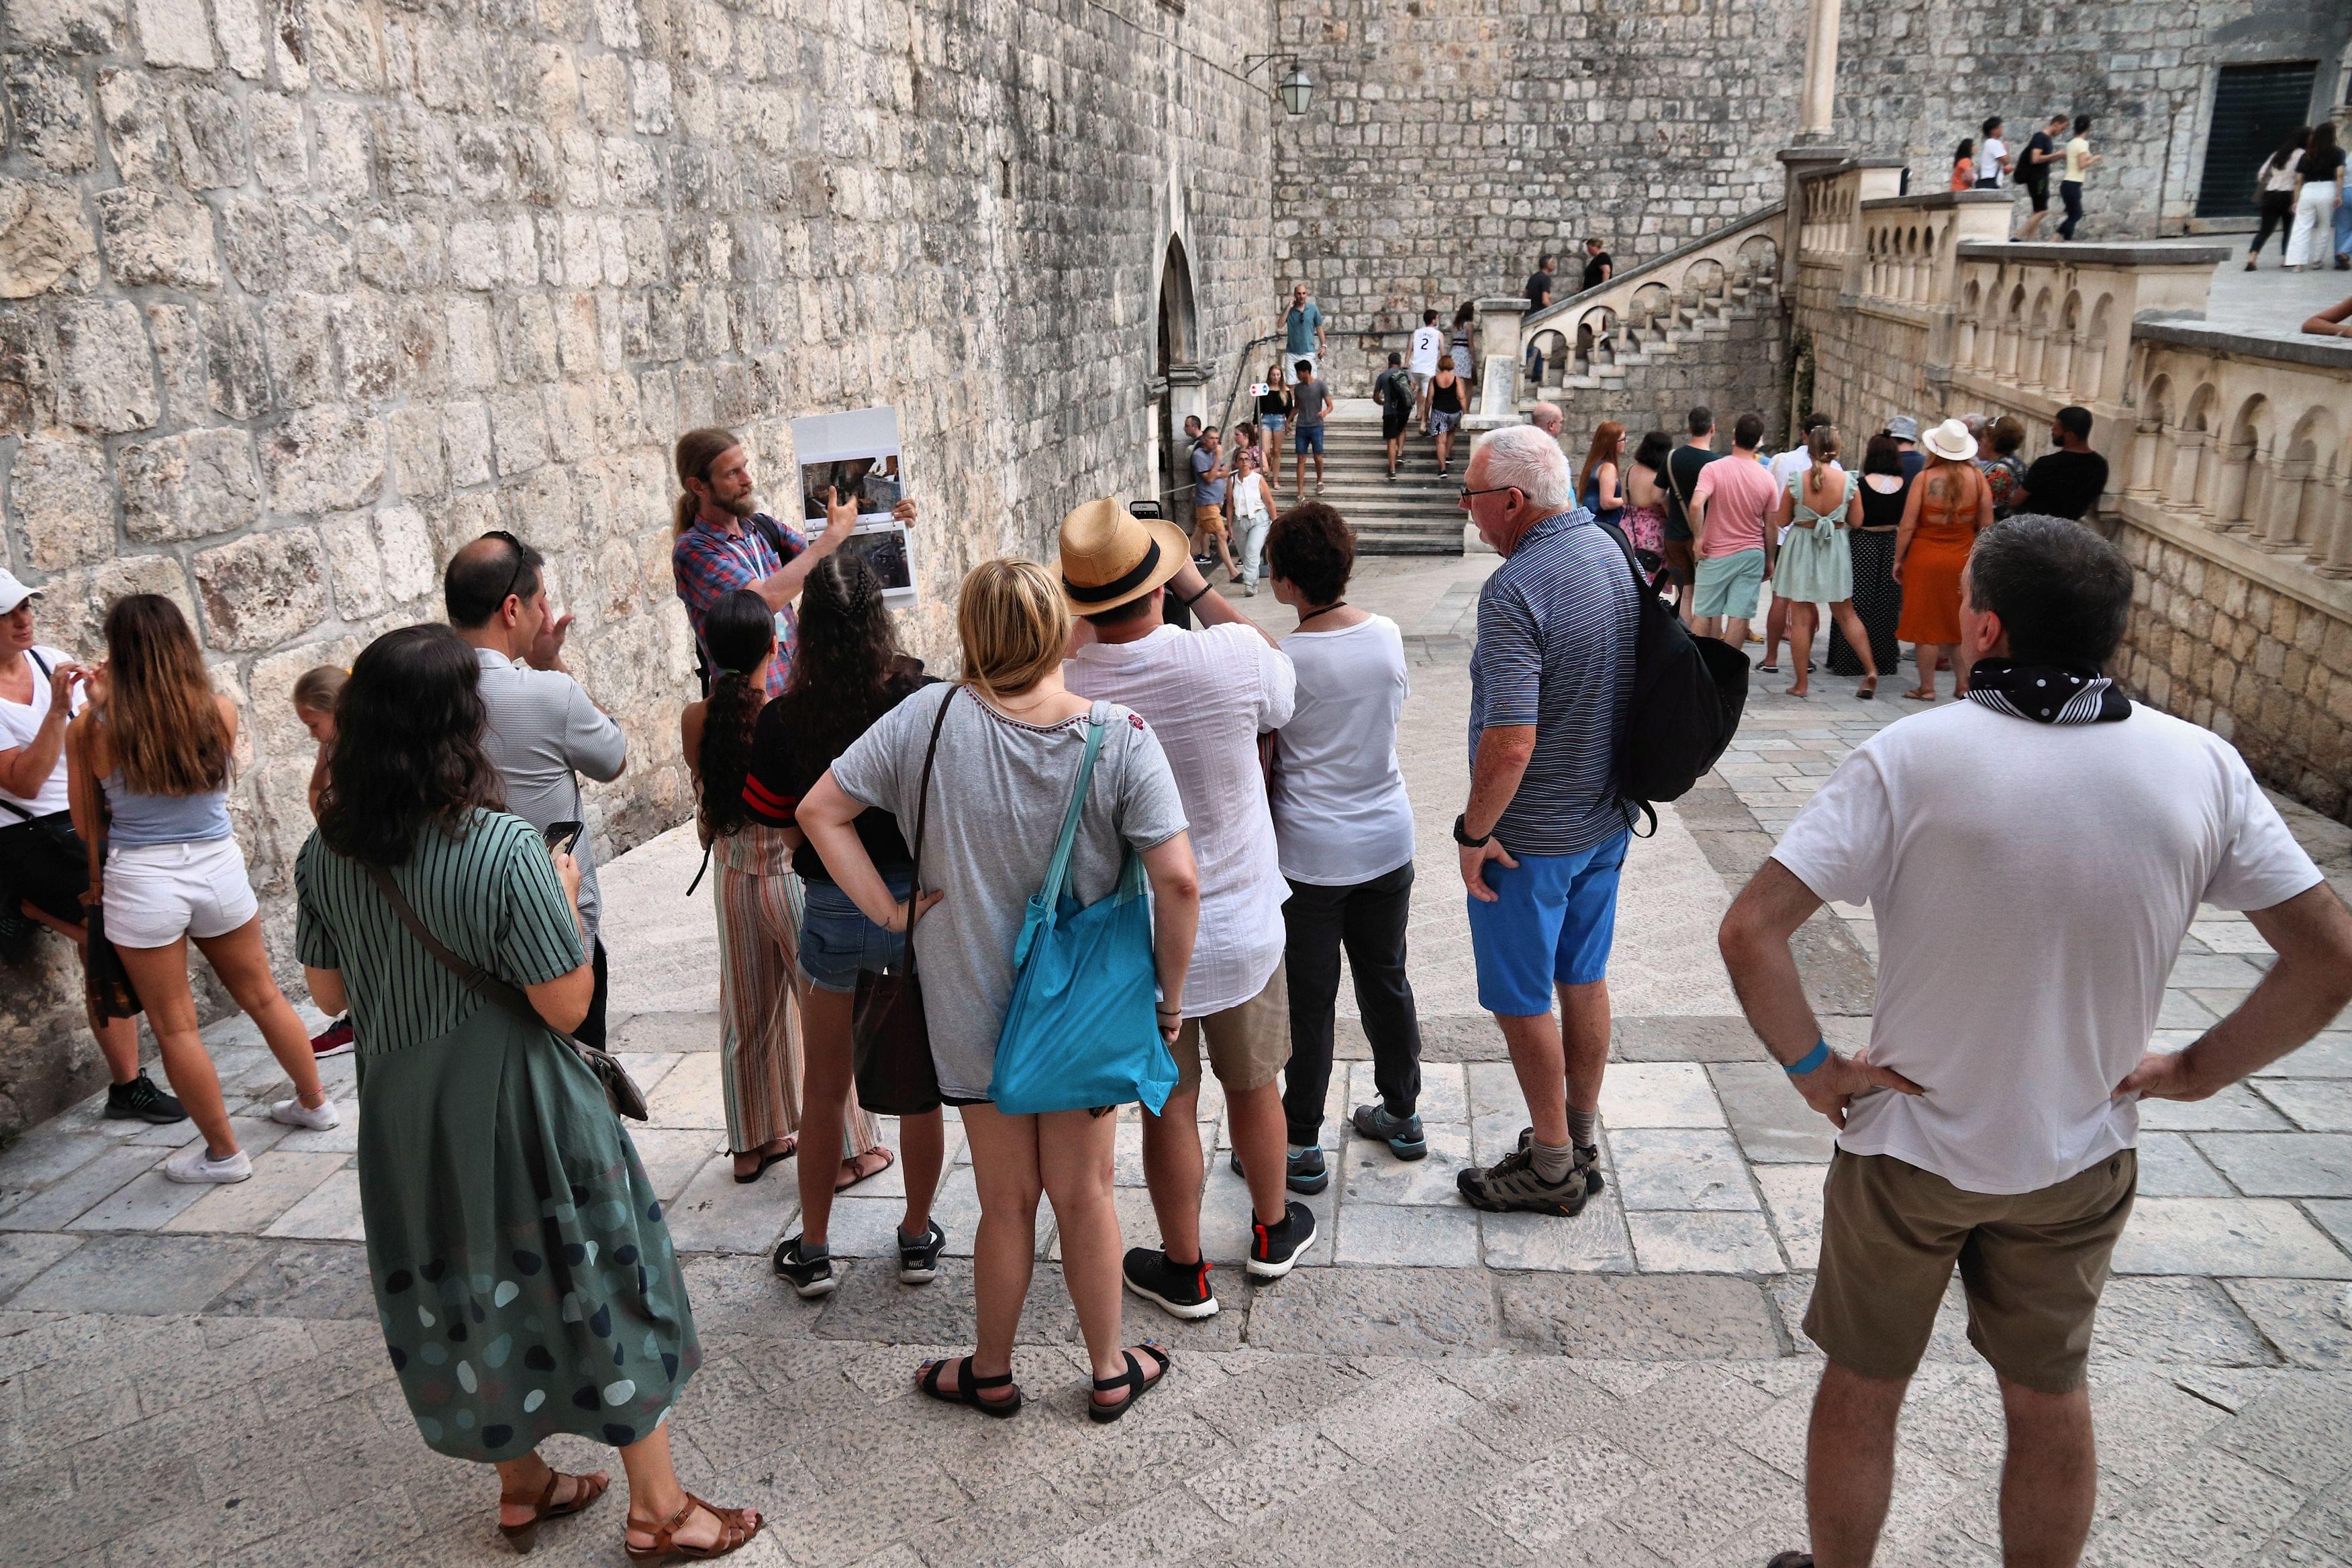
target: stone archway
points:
(1177, 378)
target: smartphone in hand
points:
(562, 836)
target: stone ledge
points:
(1937, 201)
(2148, 253)
(2280, 573)
(2322, 353)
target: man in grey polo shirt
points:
(543, 733)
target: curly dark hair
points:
(741, 632)
(1312, 548)
(849, 670)
(408, 747)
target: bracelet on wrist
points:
(1196, 598)
(1809, 1061)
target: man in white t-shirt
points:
(44, 865)
(1209, 695)
(1428, 343)
(2033, 858)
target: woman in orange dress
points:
(1950, 503)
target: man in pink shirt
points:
(1729, 506)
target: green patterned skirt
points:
(522, 1272)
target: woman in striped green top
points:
(524, 1278)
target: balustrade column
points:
(2147, 437)
(2187, 471)
(2332, 546)
(2236, 482)
(1964, 341)
(2005, 352)
(2058, 373)
(2037, 351)
(2282, 505)
(2093, 357)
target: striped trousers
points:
(759, 1003)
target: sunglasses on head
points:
(521, 555)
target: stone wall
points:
(1737, 365)
(296, 297)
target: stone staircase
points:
(1645, 344)
(1415, 514)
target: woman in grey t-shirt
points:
(1009, 754)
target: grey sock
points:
(1583, 1128)
(1553, 1161)
(814, 1251)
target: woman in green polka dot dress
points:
(523, 1275)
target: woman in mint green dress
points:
(522, 1273)
(1815, 565)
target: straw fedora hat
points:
(1950, 441)
(1111, 557)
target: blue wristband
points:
(1810, 1060)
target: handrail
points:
(1656, 263)
(1241, 368)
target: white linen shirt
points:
(1208, 695)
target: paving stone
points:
(2282, 1165)
(2294, 1431)
(2326, 1055)
(2231, 1238)
(2236, 1108)
(2188, 1321)
(1350, 1311)
(1658, 1094)
(308, 1280)
(25, 1255)
(718, 1214)
(280, 1181)
(1678, 1039)
(1409, 1236)
(2171, 1167)
(2316, 1105)
(1792, 1196)
(1640, 1317)
(1558, 1496)
(1594, 1240)
(332, 1212)
(1769, 1118)
(2335, 1217)
(56, 1206)
(1282, 1465)
(1711, 1243)
(1373, 1175)
(141, 1275)
(1680, 1169)
(2310, 1320)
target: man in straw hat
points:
(1209, 694)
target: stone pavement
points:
(194, 1375)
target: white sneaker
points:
(195, 1164)
(294, 1113)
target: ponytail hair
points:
(1821, 441)
(741, 632)
(697, 450)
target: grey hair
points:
(1975, 422)
(1528, 461)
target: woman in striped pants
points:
(759, 901)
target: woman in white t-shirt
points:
(1343, 829)
(44, 865)
(1253, 515)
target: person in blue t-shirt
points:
(1303, 328)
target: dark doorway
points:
(1174, 350)
(2254, 107)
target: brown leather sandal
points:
(524, 1536)
(736, 1529)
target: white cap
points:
(13, 592)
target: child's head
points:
(314, 699)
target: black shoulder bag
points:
(626, 1098)
(104, 979)
(1688, 693)
(890, 1036)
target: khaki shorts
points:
(2033, 1264)
(1248, 1045)
(1208, 519)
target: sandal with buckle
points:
(737, 1526)
(967, 1387)
(1132, 1379)
(524, 1536)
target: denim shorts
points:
(838, 943)
(1552, 923)
(1273, 424)
(1307, 438)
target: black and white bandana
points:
(2047, 693)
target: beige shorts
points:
(1208, 519)
(1248, 1045)
(2033, 1264)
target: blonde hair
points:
(1821, 441)
(1014, 624)
(697, 450)
(316, 690)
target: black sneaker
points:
(1304, 1172)
(806, 1279)
(1274, 1248)
(1181, 1288)
(1401, 1134)
(1588, 1157)
(1512, 1183)
(919, 1263)
(140, 1100)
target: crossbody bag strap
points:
(922, 819)
(94, 810)
(1057, 874)
(474, 977)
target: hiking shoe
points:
(919, 1262)
(140, 1100)
(1511, 1183)
(333, 1040)
(1791, 1560)
(1588, 1157)
(1275, 1249)
(195, 1166)
(1303, 1172)
(807, 1278)
(1181, 1288)
(1402, 1134)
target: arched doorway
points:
(1177, 378)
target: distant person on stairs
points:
(1273, 419)
(1302, 330)
(1428, 342)
(1445, 411)
(1309, 401)
(1394, 393)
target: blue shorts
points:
(838, 943)
(1307, 438)
(1273, 424)
(1730, 584)
(1551, 924)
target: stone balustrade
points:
(1643, 300)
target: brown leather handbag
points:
(890, 1039)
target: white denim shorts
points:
(156, 893)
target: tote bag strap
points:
(1057, 875)
(922, 816)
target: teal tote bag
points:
(1080, 1031)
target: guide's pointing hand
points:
(840, 518)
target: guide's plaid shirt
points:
(708, 562)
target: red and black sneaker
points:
(1181, 1288)
(333, 1040)
(1274, 1248)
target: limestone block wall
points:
(294, 298)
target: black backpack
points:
(1396, 393)
(1688, 694)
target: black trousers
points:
(591, 1031)
(2070, 195)
(1369, 919)
(2278, 212)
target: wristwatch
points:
(1462, 834)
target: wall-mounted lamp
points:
(1296, 89)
